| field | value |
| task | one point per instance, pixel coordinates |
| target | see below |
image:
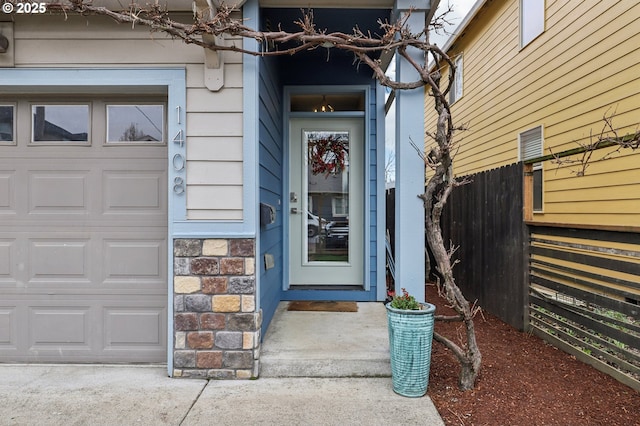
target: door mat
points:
(309, 305)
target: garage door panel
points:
(63, 327)
(7, 257)
(58, 192)
(7, 200)
(8, 328)
(60, 260)
(134, 326)
(133, 260)
(134, 192)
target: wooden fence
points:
(484, 218)
(585, 296)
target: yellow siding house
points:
(537, 77)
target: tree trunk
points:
(437, 191)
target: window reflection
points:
(135, 123)
(6, 123)
(328, 196)
(52, 123)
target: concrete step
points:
(327, 344)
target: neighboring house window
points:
(456, 88)
(340, 206)
(531, 20)
(530, 143)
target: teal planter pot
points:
(410, 337)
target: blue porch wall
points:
(313, 69)
(270, 154)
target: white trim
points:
(288, 114)
(381, 277)
(536, 166)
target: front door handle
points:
(294, 210)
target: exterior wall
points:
(217, 329)
(584, 66)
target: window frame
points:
(535, 31)
(538, 169)
(33, 142)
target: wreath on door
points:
(328, 153)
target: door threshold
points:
(327, 287)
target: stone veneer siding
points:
(216, 324)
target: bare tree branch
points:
(583, 156)
(395, 36)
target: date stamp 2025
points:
(24, 8)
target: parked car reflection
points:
(337, 234)
(315, 225)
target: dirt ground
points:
(524, 381)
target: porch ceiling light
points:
(324, 106)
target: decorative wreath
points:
(328, 154)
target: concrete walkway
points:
(318, 368)
(143, 395)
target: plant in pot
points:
(410, 336)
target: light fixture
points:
(324, 106)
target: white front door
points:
(326, 212)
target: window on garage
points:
(7, 124)
(60, 123)
(135, 123)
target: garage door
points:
(83, 214)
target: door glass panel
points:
(60, 123)
(327, 188)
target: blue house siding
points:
(270, 173)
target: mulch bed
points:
(524, 381)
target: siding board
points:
(221, 124)
(219, 197)
(214, 148)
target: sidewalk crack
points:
(193, 403)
